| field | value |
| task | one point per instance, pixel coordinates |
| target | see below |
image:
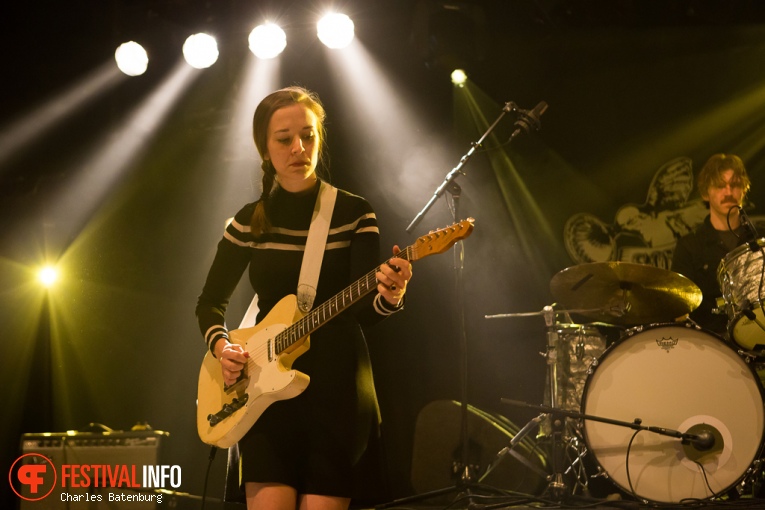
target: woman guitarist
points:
(301, 453)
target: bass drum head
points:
(681, 378)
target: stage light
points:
(47, 276)
(131, 58)
(267, 41)
(335, 30)
(459, 77)
(200, 51)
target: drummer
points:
(723, 184)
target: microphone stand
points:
(637, 424)
(449, 184)
(452, 175)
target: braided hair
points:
(282, 98)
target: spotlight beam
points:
(98, 174)
(409, 153)
(21, 133)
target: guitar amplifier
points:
(113, 485)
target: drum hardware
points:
(570, 351)
(544, 311)
(753, 483)
(625, 293)
(747, 309)
(509, 449)
(748, 356)
(576, 466)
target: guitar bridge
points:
(227, 410)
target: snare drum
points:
(579, 346)
(740, 276)
(676, 377)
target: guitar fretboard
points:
(322, 314)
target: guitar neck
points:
(434, 242)
(331, 308)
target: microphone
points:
(750, 233)
(529, 120)
(702, 440)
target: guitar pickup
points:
(227, 410)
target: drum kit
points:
(667, 412)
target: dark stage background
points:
(631, 87)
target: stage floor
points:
(489, 499)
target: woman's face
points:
(293, 147)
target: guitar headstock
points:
(438, 241)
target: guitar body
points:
(268, 377)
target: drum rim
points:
(759, 451)
(738, 250)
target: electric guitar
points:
(226, 413)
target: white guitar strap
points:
(309, 271)
(315, 246)
(251, 314)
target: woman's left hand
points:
(393, 277)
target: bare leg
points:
(317, 502)
(270, 496)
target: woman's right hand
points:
(232, 359)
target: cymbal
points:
(625, 293)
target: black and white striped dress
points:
(310, 442)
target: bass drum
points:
(678, 377)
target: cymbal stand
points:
(557, 485)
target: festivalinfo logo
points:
(34, 477)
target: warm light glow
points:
(267, 41)
(335, 30)
(48, 276)
(131, 58)
(200, 51)
(99, 171)
(459, 77)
